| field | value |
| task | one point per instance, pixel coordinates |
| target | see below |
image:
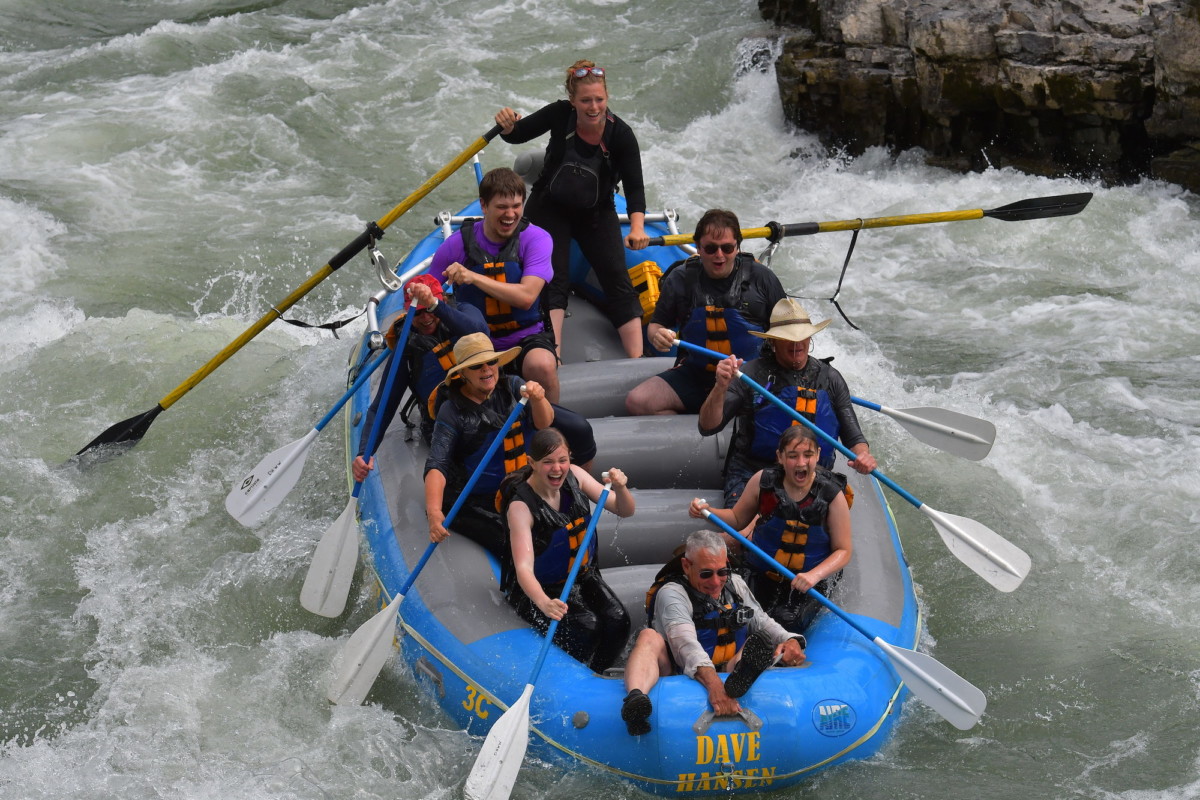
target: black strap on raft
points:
(374, 234)
(332, 327)
(404, 415)
(838, 290)
(777, 231)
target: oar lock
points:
(387, 275)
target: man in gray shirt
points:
(699, 624)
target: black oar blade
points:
(127, 431)
(1060, 205)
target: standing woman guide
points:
(589, 151)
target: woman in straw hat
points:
(801, 516)
(475, 402)
(810, 385)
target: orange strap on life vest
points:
(499, 314)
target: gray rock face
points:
(1098, 87)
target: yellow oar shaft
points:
(429, 185)
(807, 228)
(337, 261)
(254, 330)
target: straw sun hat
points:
(790, 323)
(477, 348)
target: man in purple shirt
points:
(500, 265)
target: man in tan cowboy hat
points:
(809, 385)
(438, 324)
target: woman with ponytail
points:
(546, 505)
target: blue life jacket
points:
(716, 322)
(434, 356)
(558, 532)
(770, 421)
(505, 267)
(511, 454)
(793, 532)
(721, 625)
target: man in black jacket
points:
(715, 299)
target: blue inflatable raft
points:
(472, 654)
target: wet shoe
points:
(757, 655)
(635, 710)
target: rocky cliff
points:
(1097, 87)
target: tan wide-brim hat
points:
(791, 323)
(477, 348)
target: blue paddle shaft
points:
(866, 403)
(487, 456)
(376, 423)
(796, 415)
(583, 548)
(362, 378)
(787, 573)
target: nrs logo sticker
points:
(833, 717)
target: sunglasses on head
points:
(481, 365)
(582, 71)
(727, 248)
(723, 572)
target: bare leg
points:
(653, 396)
(631, 337)
(540, 365)
(647, 661)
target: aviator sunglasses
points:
(582, 71)
(727, 248)
(723, 572)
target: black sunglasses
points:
(723, 572)
(726, 248)
(477, 367)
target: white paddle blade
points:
(503, 752)
(1000, 562)
(958, 434)
(364, 656)
(327, 584)
(959, 702)
(265, 486)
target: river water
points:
(169, 170)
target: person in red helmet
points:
(427, 356)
